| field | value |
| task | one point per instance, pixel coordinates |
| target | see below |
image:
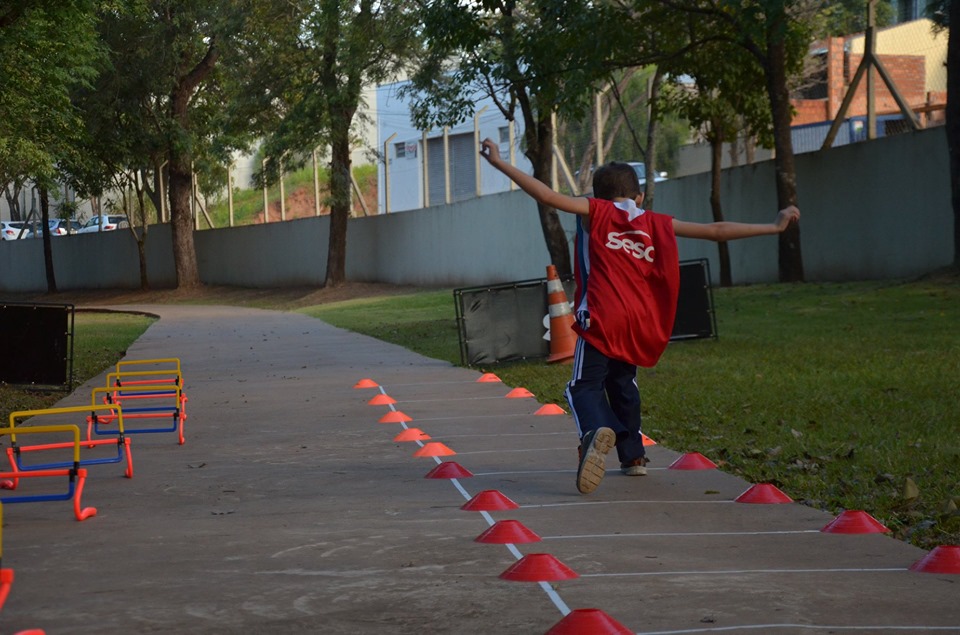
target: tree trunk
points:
(13, 199)
(652, 124)
(141, 238)
(340, 203)
(181, 225)
(723, 249)
(540, 154)
(47, 246)
(790, 258)
(953, 122)
(154, 192)
(181, 172)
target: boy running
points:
(628, 279)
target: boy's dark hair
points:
(615, 180)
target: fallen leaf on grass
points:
(910, 490)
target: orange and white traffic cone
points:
(562, 337)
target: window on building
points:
(400, 150)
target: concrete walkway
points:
(291, 509)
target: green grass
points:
(100, 340)
(843, 395)
(421, 318)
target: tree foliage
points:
(775, 35)
(166, 102)
(533, 59)
(47, 49)
(330, 50)
(846, 17)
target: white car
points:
(641, 170)
(10, 230)
(104, 222)
(58, 227)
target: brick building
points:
(914, 57)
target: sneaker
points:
(593, 450)
(636, 467)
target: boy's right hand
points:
(786, 216)
(489, 150)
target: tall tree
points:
(46, 50)
(776, 34)
(530, 58)
(332, 49)
(726, 99)
(171, 96)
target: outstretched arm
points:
(723, 231)
(539, 191)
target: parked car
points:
(641, 170)
(10, 230)
(639, 167)
(104, 222)
(58, 227)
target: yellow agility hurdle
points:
(173, 362)
(15, 453)
(153, 401)
(76, 476)
(151, 371)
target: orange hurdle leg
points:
(86, 512)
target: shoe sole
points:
(593, 465)
(634, 470)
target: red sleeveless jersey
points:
(628, 280)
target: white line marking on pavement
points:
(547, 588)
(818, 627)
(655, 502)
(638, 574)
(564, 449)
(691, 533)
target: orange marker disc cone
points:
(647, 440)
(943, 559)
(489, 500)
(382, 400)
(507, 532)
(550, 409)
(538, 567)
(434, 449)
(412, 434)
(366, 383)
(763, 493)
(488, 378)
(595, 621)
(395, 416)
(519, 393)
(449, 469)
(854, 522)
(693, 461)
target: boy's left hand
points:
(786, 216)
(489, 150)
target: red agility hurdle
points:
(143, 399)
(16, 452)
(76, 476)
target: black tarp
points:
(508, 322)
(37, 345)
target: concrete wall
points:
(871, 210)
